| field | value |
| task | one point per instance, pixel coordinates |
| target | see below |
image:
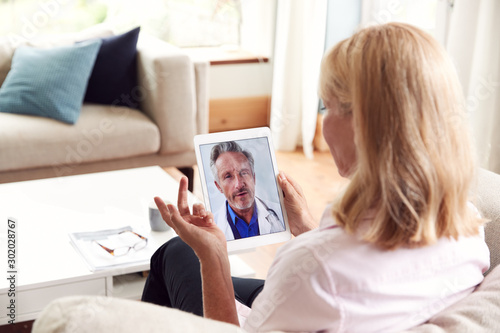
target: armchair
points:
(479, 312)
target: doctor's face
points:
(236, 180)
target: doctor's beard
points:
(241, 206)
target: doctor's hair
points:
(226, 147)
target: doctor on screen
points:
(243, 214)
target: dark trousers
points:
(175, 280)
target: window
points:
(185, 23)
(180, 22)
(429, 15)
(28, 19)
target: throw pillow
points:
(115, 71)
(49, 82)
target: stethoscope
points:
(270, 210)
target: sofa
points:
(478, 312)
(158, 130)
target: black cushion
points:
(114, 76)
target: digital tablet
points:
(238, 174)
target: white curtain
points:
(474, 44)
(299, 47)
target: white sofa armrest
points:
(172, 92)
(478, 312)
(82, 314)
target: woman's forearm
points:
(201, 233)
(217, 287)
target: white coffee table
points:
(47, 265)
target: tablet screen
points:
(238, 172)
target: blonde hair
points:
(414, 165)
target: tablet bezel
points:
(253, 133)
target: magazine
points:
(113, 247)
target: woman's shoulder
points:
(327, 217)
(347, 256)
(320, 252)
(336, 250)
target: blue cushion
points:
(49, 82)
(114, 76)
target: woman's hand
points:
(198, 230)
(299, 216)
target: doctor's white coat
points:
(267, 215)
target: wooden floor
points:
(320, 182)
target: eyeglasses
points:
(123, 250)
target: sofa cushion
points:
(102, 133)
(49, 82)
(115, 71)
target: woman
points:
(401, 243)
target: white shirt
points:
(326, 280)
